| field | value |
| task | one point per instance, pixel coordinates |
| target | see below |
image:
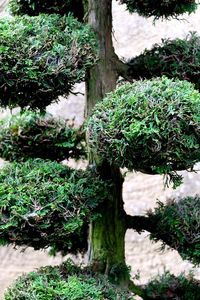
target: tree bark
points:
(107, 232)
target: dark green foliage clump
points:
(46, 204)
(179, 58)
(42, 58)
(160, 8)
(152, 126)
(64, 283)
(32, 135)
(168, 286)
(35, 7)
(178, 226)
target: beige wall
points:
(131, 35)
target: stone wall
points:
(131, 34)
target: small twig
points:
(77, 93)
(138, 290)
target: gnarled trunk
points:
(108, 232)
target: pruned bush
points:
(178, 58)
(42, 58)
(151, 126)
(35, 7)
(32, 135)
(161, 8)
(178, 226)
(168, 286)
(46, 204)
(64, 283)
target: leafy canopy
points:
(168, 286)
(64, 283)
(160, 8)
(42, 58)
(178, 226)
(46, 204)
(35, 7)
(178, 58)
(32, 135)
(150, 126)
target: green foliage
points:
(161, 8)
(35, 7)
(168, 286)
(46, 204)
(32, 135)
(64, 283)
(42, 57)
(178, 226)
(175, 58)
(150, 126)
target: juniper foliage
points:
(46, 204)
(42, 58)
(32, 135)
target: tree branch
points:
(138, 290)
(141, 223)
(122, 69)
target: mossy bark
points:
(107, 232)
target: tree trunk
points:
(108, 232)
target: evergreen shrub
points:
(63, 283)
(42, 58)
(178, 58)
(160, 8)
(32, 135)
(152, 126)
(178, 226)
(46, 204)
(35, 7)
(168, 286)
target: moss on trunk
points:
(107, 233)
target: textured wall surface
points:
(131, 35)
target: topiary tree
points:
(147, 124)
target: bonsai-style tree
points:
(148, 121)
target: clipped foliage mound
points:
(35, 7)
(179, 58)
(42, 58)
(46, 204)
(32, 135)
(178, 226)
(152, 126)
(161, 8)
(168, 286)
(63, 283)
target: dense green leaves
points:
(64, 283)
(168, 286)
(42, 57)
(35, 7)
(152, 126)
(46, 204)
(161, 8)
(179, 58)
(31, 135)
(178, 226)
